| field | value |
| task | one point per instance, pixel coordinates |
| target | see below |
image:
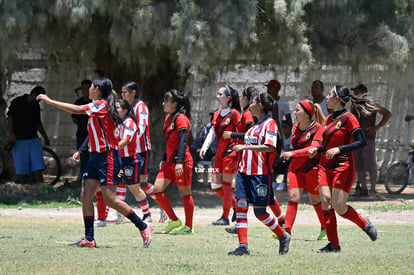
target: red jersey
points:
(171, 137)
(301, 141)
(225, 123)
(245, 119)
(142, 114)
(129, 132)
(103, 132)
(263, 132)
(338, 132)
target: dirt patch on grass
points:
(208, 205)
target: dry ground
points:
(208, 204)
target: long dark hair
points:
(270, 107)
(234, 97)
(360, 105)
(125, 106)
(249, 92)
(131, 86)
(105, 87)
(183, 103)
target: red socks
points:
(242, 224)
(331, 227)
(189, 210)
(165, 204)
(291, 211)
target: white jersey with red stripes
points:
(103, 132)
(264, 132)
(142, 114)
(129, 131)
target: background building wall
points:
(391, 90)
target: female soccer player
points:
(303, 171)
(245, 122)
(130, 92)
(177, 163)
(128, 150)
(341, 136)
(225, 162)
(253, 181)
(104, 160)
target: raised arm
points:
(67, 107)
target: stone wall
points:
(392, 90)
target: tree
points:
(199, 36)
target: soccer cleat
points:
(284, 242)
(99, 223)
(147, 218)
(234, 216)
(239, 251)
(170, 226)
(370, 230)
(322, 235)
(328, 249)
(275, 236)
(146, 235)
(185, 230)
(163, 216)
(231, 229)
(119, 218)
(221, 221)
(84, 243)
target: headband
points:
(227, 90)
(307, 107)
(340, 98)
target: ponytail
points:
(105, 87)
(363, 105)
(183, 103)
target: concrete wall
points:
(392, 90)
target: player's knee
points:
(259, 211)
(242, 203)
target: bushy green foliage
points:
(197, 34)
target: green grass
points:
(39, 245)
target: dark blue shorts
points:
(131, 170)
(104, 167)
(256, 189)
(143, 159)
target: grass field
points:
(39, 245)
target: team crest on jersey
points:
(228, 120)
(338, 125)
(128, 171)
(172, 126)
(262, 190)
(257, 129)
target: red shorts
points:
(225, 165)
(168, 172)
(308, 181)
(341, 177)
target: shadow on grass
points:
(12, 193)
